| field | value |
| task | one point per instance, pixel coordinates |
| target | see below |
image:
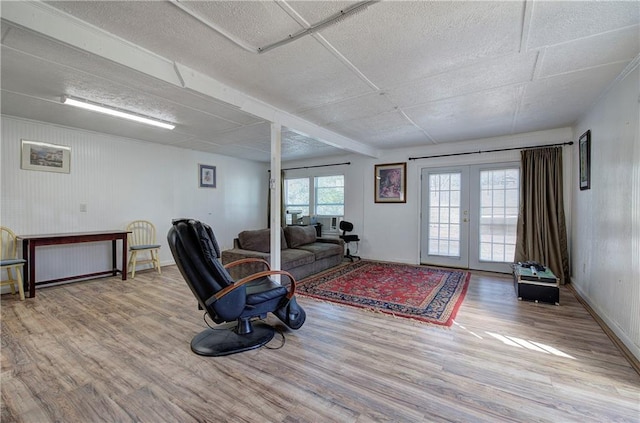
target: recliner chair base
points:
(225, 340)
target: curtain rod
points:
(493, 151)
(309, 167)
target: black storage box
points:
(541, 286)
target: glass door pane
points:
(444, 231)
(493, 239)
(469, 216)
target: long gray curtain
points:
(542, 231)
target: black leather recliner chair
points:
(196, 253)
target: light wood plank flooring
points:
(118, 351)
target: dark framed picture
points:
(584, 151)
(391, 183)
(45, 157)
(207, 176)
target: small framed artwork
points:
(391, 183)
(45, 157)
(584, 149)
(207, 176)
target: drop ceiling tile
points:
(349, 109)
(244, 134)
(400, 137)
(395, 42)
(555, 22)
(316, 11)
(485, 75)
(257, 23)
(243, 152)
(614, 46)
(561, 100)
(470, 116)
(296, 76)
(380, 130)
(297, 147)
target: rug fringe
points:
(413, 321)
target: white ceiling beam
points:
(204, 84)
(57, 25)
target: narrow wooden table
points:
(30, 242)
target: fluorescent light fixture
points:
(88, 105)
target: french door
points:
(469, 216)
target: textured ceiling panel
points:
(383, 128)
(554, 22)
(480, 114)
(614, 46)
(486, 75)
(257, 23)
(316, 11)
(350, 109)
(396, 42)
(246, 134)
(313, 76)
(576, 91)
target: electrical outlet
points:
(83, 208)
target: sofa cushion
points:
(299, 235)
(260, 240)
(322, 250)
(293, 258)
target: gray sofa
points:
(302, 252)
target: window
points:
(329, 198)
(315, 196)
(296, 195)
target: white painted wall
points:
(120, 180)
(391, 232)
(606, 218)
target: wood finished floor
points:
(118, 351)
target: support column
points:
(275, 191)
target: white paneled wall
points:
(606, 225)
(120, 180)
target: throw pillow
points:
(300, 235)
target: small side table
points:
(543, 286)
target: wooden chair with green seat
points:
(142, 239)
(9, 260)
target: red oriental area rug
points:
(416, 292)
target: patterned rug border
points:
(346, 268)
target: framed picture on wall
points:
(391, 183)
(584, 149)
(45, 157)
(207, 176)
